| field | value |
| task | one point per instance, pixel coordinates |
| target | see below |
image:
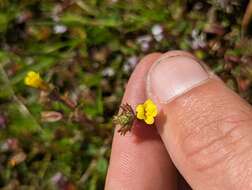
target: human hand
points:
(203, 130)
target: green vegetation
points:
(87, 50)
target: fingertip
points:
(135, 89)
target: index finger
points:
(139, 159)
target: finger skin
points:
(208, 134)
(139, 159)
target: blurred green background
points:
(87, 50)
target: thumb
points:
(206, 128)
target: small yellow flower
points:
(34, 80)
(147, 111)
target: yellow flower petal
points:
(149, 120)
(140, 111)
(151, 108)
(33, 79)
(148, 102)
(150, 114)
(27, 81)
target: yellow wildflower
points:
(147, 111)
(34, 80)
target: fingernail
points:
(170, 77)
